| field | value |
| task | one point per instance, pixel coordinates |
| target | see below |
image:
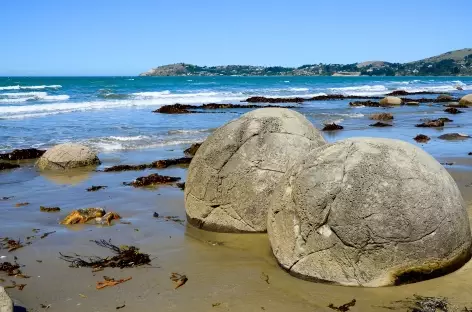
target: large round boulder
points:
(368, 212)
(231, 177)
(390, 100)
(466, 100)
(67, 156)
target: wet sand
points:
(226, 272)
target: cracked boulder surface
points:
(368, 212)
(67, 156)
(233, 174)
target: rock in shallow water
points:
(368, 212)
(20, 154)
(67, 156)
(7, 166)
(232, 176)
(466, 100)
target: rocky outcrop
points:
(391, 101)
(431, 124)
(381, 116)
(8, 166)
(361, 212)
(380, 124)
(192, 149)
(332, 127)
(67, 156)
(454, 136)
(20, 154)
(364, 103)
(174, 109)
(453, 110)
(232, 176)
(421, 138)
(262, 99)
(403, 93)
(445, 98)
(466, 100)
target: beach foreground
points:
(227, 272)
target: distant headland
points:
(453, 63)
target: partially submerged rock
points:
(49, 209)
(153, 179)
(181, 185)
(445, 98)
(232, 176)
(364, 103)
(107, 218)
(183, 161)
(344, 209)
(466, 100)
(95, 188)
(262, 99)
(391, 101)
(431, 124)
(332, 126)
(453, 110)
(404, 92)
(412, 103)
(174, 109)
(454, 136)
(67, 156)
(380, 124)
(381, 116)
(119, 168)
(83, 215)
(445, 119)
(8, 166)
(421, 138)
(20, 154)
(192, 149)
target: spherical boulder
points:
(466, 100)
(368, 212)
(231, 177)
(67, 156)
(390, 100)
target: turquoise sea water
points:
(114, 114)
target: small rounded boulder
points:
(232, 176)
(466, 100)
(67, 156)
(391, 100)
(368, 212)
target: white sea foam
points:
(152, 94)
(131, 138)
(352, 115)
(109, 144)
(298, 89)
(22, 94)
(21, 97)
(189, 131)
(364, 90)
(18, 87)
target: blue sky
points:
(117, 37)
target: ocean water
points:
(114, 114)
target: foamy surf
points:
(18, 87)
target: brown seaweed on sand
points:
(421, 138)
(109, 281)
(343, 308)
(15, 285)
(153, 179)
(124, 257)
(178, 279)
(332, 126)
(10, 269)
(11, 244)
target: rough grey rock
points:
(466, 100)
(231, 177)
(368, 212)
(6, 305)
(67, 156)
(390, 100)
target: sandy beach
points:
(226, 272)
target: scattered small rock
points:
(153, 179)
(453, 110)
(381, 116)
(421, 138)
(20, 154)
(181, 185)
(380, 124)
(155, 215)
(454, 136)
(8, 166)
(95, 188)
(470, 154)
(332, 126)
(6, 197)
(192, 149)
(49, 209)
(447, 163)
(21, 204)
(431, 124)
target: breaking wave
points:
(18, 87)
